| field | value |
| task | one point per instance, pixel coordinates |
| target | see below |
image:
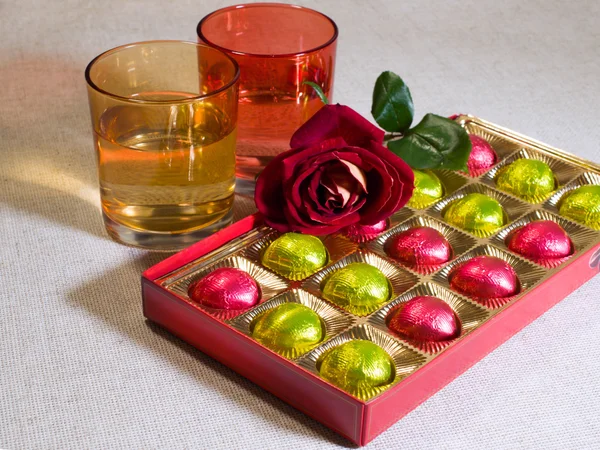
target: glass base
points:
(248, 168)
(166, 242)
(245, 187)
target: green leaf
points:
(392, 105)
(318, 90)
(434, 143)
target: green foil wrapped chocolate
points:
(295, 256)
(428, 189)
(530, 179)
(582, 205)
(477, 213)
(359, 367)
(290, 329)
(359, 288)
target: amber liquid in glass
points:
(266, 121)
(170, 170)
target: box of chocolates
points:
(359, 327)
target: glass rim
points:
(119, 48)
(266, 55)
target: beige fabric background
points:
(79, 366)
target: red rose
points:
(337, 174)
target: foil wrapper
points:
(458, 241)
(582, 205)
(333, 322)
(428, 189)
(502, 146)
(288, 329)
(269, 284)
(366, 365)
(490, 276)
(295, 256)
(400, 280)
(531, 174)
(358, 288)
(419, 246)
(540, 241)
(414, 329)
(365, 233)
(578, 235)
(529, 179)
(225, 288)
(477, 213)
(425, 318)
(357, 365)
(484, 277)
(482, 156)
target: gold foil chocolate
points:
(359, 288)
(290, 329)
(477, 213)
(357, 366)
(295, 256)
(428, 189)
(530, 179)
(582, 205)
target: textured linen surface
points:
(79, 366)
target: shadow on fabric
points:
(125, 315)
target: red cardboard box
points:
(361, 421)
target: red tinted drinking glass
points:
(277, 47)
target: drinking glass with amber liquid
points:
(164, 116)
(278, 47)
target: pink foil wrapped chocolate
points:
(482, 156)
(483, 278)
(425, 319)
(226, 288)
(419, 246)
(542, 241)
(364, 233)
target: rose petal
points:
(389, 196)
(299, 223)
(334, 180)
(340, 186)
(323, 148)
(401, 172)
(313, 193)
(357, 173)
(354, 198)
(321, 214)
(379, 180)
(333, 121)
(337, 217)
(343, 218)
(294, 186)
(269, 196)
